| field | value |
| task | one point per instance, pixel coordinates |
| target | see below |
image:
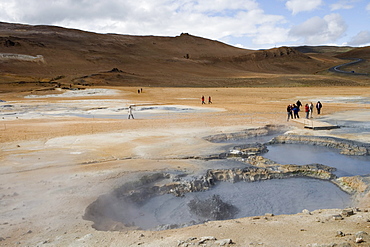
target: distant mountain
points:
(332, 50)
(49, 54)
(360, 52)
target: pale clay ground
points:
(53, 167)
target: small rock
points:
(361, 236)
(337, 217)
(340, 234)
(191, 239)
(224, 242)
(305, 211)
(2, 239)
(269, 214)
(359, 240)
(204, 239)
(347, 212)
(181, 243)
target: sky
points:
(250, 24)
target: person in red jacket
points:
(307, 110)
(203, 102)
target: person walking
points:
(295, 111)
(130, 112)
(203, 102)
(209, 100)
(318, 107)
(289, 111)
(311, 109)
(299, 104)
(307, 110)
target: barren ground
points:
(53, 167)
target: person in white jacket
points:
(130, 112)
(311, 109)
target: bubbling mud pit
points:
(246, 184)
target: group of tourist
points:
(294, 109)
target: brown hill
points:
(356, 53)
(328, 50)
(360, 52)
(48, 54)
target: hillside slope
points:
(74, 56)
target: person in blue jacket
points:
(295, 111)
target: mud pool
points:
(226, 201)
(288, 196)
(306, 154)
(159, 209)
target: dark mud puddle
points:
(300, 154)
(287, 196)
(224, 201)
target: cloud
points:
(240, 46)
(270, 35)
(297, 6)
(362, 38)
(214, 19)
(54, 11)
(316, 30)
(214, 6)
(342, 4)
(7, 10)
(235, 22)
